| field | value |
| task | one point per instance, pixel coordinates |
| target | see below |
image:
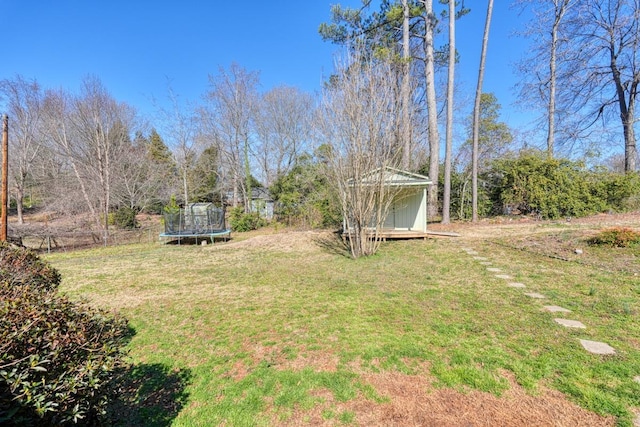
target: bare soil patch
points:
(412, 400)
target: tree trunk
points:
(630, 150)
(446, 203)
(551, 119)
(434, 137)
(406, 89)
(627, 113)
(476, 114)
(20, 204)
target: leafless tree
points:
(229, 112)
(547, 57)
(88, 132)
(283, 129)
(476, 113)
(137, 177)
(606, 37)
(357, 118)
(23, 99)
(405, 135)
(180, 125)
(597, 69)
(446, 202)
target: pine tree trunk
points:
(476, 114)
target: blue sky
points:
(138, 47)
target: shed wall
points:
(408, 211)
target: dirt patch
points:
(518, 226)
(286, 241)
(413, 401)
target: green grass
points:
(260, 334)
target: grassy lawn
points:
(285, 329)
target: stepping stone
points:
(486, 263)
(472, 252)
(597, 347)
(637, 378)
(516, 285)
(480, 258)
(570, 323)
(504, 276)
(535, 295)
(494, 270)
(556, 309)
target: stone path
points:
(597, 347)
(535, 295)
(594, 347)
(556, 309)
(571, 323)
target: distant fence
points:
(48, 239)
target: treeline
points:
(87, 153)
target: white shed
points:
(407, 216)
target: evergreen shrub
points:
(125, 218)
(241, 221)
(58, 358)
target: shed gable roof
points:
(397, 178)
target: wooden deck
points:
(388, 234)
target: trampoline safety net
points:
(196, 219)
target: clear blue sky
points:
(138, 47)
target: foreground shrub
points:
(57, 357)
(241, 221)
(23, 267)
(619, 237)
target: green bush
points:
(619, 237)
(125, 218)
(549, 188)
(57, 357)
(241, 221)
(304, 197)
(619, 190)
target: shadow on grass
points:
(148, 395)
(334, 244)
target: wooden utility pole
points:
(5, 177)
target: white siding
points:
(408, 211)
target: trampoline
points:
(196, 221)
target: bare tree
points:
(357, 119)
(283, 129)
(446, 202)
(136, 177)
(476, 113)
(430, 22)
(596, 69)
(89, 132)
(547, 56)
(606, 36)
(180, 125)
(23, 100)
(229, 113)
(405, 135)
